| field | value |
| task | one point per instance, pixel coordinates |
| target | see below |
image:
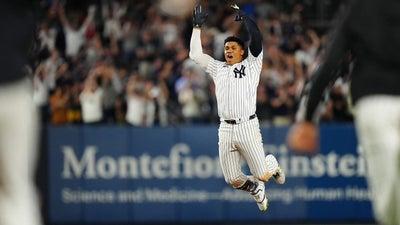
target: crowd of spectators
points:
(125, 62)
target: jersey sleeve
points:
(196, 53)
(258, 60)
(213, 67)
(255, 46)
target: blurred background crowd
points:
(126, 62)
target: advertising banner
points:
(125, 174)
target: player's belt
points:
(240, 120)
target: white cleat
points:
(259, 195)
(274, 168)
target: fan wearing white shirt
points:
(75, 35)
(91, 100)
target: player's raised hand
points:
(239, 13)
(303, 138)
(199, 16)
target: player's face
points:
(233, 52)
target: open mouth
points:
(229, 56)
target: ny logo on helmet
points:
(239, 72)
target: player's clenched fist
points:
(199, 16)
(303, 138)
(239, 13)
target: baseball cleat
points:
(280, 176)
(259, 195)
(273, 167)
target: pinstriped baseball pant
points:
(18, 129)
(378, 131)
(241, 141)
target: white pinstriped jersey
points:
(236, 86)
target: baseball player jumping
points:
(236, 82)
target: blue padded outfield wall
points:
(124, 174)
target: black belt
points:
(236, 122)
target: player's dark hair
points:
(235, 39)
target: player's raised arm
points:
(196, 50)
(254, 33)
(255, 36)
